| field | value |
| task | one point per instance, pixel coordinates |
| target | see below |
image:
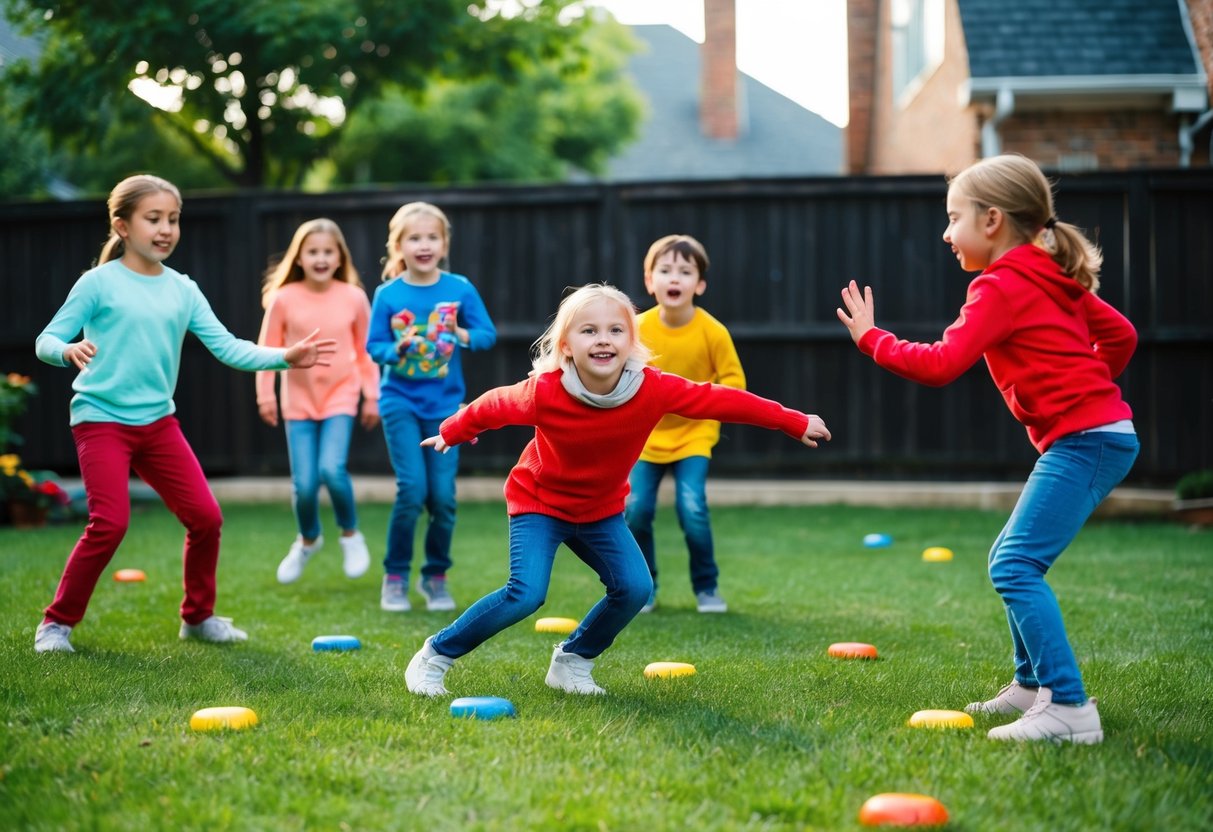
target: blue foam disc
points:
(320, 643)
(482, 707)
(876, 540)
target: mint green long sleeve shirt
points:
(138, 323)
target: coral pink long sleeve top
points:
(1052, 347)
(340, 311)
(576, 467)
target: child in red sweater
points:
(1053, 349)
(593, 403)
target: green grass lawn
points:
(771, 734)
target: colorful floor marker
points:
(940, 719)
(127, 576)
(668, 670)
(556, 625)
(226, 718)
(936, 554)
(852, 650)
(902, 809)
(482, 707)
(877, 540)
(323, 643)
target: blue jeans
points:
(691, 506)
(606, 546)
(425, 479)
(1069, 480)
(318, 450)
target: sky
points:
(796, 47)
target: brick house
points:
(1073, 84)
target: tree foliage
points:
(262, 88)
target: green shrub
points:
(1197, 485)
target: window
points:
(918, 29)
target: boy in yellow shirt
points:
(687, 341)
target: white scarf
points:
(628, 386)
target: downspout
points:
(1004, 105)
(1187, 138)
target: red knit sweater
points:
(1051, 346)
(576, 468)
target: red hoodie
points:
(1052, 347)
(576, 468)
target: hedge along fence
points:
(780, 250)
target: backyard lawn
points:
(770, 734)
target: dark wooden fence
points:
(781, 250)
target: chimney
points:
(718, 118)
(863, 26)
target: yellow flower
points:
(9, 463)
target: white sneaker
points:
(52, 637)
(394, 596)
(300, 553)
(1078, 724)
(356, 559)
(571, 673)
(710, 601)
(426, 670)
(214, 629)
(1012, 699)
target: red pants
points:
(160, 456)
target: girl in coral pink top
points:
(1053, 349)
(315, 286)
(593, 403)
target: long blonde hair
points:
(1017, 187)
(393, 264)
(545, 352)
(123, 200)
(287, 270)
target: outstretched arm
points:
(816, 430)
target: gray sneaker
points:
(710, 601)
(1078, 724)
(394, 597)
(433, 588)
(571, 673)
(426, 670)
(52, 637)
(215, 629)
(1012, 699)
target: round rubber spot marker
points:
(482, 707)
(851, 650)
(940, 719)
(323, 643)
(901, 809)
(877, 540)
(127, 576)
(936, 554)
(225, 718)
(668, 670)
(556, 625)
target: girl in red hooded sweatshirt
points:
(1053, 348)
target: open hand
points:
(861, 309)
(311, 351)
(816, 430)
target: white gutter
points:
(991, 142)
(1188, 92)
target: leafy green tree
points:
(571, 112)
(262, 88)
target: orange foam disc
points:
(901, 809)
(936, 554)
(940, 719)
(852, 650)
(129, 575)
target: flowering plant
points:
(15, 392)
(37, 488)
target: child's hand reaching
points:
(861, 308)
(816, 430)
(310, 352)
(437, 443)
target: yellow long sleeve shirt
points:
(702, 350)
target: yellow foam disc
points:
(940, 719)
(936, 554)
(218, 719)
(556, 625)
(668, 670)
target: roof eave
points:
(1187, 93)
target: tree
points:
(571, 112)
(261, 88)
